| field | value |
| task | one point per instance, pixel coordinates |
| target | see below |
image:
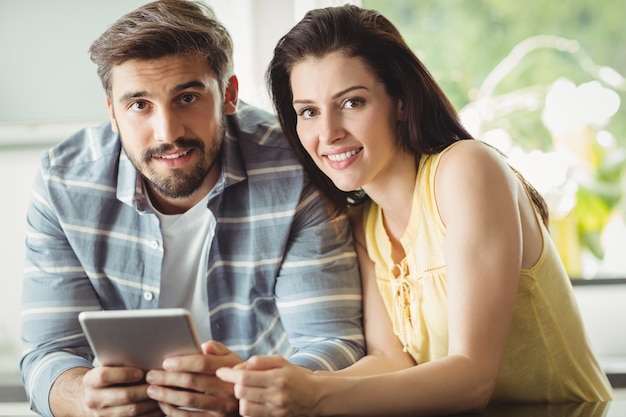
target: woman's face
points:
(346, 120)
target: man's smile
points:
(174, 155)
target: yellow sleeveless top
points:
(547, 357)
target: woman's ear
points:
(231, 95)
(400, 112)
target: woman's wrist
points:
(331, 393)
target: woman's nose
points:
(331, 128)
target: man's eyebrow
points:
(338, 94)
(177, 89)
(190, 84)
(132, 96)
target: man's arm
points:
(66, 396)
(318, 291)
(53, 293)
(79, 240)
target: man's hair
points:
(162, 28)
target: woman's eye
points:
(353, 103)
(307, 113)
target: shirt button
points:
(148, 296)
(155, 244)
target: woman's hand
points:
(271, 386)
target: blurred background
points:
(544, 82)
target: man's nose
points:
(167, 126)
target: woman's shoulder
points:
(473, 158)
(472, 174)
(470, 148)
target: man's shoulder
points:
(256, 149)
(84, 146)
(257, 128)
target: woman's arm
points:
(479, 200)
(477, 196)
(266, 384)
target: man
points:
(185, 199)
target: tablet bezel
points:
(139, 338)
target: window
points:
(544, 82)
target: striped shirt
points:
(282, 274)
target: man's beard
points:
(179, 184)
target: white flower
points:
(570, 108)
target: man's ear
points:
(231, 95)
(112, 115)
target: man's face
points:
(170, 114)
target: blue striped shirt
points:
(282, 277)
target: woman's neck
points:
(393, 192)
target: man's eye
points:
(187, 98)
(139, 105)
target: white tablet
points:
(139, 338)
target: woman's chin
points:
(345, 187)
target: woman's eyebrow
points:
(334, 96)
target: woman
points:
(458, 259)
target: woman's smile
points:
(342, 156)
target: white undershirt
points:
(186, 241)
